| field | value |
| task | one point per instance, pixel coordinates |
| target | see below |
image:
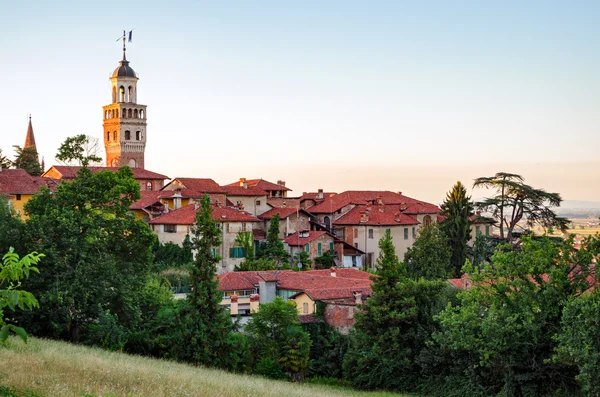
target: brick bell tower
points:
(124, 119)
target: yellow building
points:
(19, 187)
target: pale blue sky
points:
(396, 95)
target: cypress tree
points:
(457, 210)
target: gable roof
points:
(262, 184)
(295, 240)
(147, 197)
(359, 197)
(187, 216)
(378, 215)
(70, 172)
(283, 212)
(242, 191)
(194, 186)
(18, 181)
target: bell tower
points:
(124, 119)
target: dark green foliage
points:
(256, 265)
(9, 391)
(327, 350)
(171, 255)
(275, 335)
(27, 159)
(106, 332)
(274, 248)
(12, 229)
(515, 202)
(394, 327)
(430, 256)
(96, 252)
(457, 210)
(501, 338)
(268, 368)
(203, 325)
(4, 161)
(301, 258)
(483, 249)
(246, 240)
(324, 261)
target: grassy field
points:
(62, 369)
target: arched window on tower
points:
(130, 115)
(117, 112)
(132, 163)
(137, 135)
(115, 136)
(142, 113)
(135, 114)
(124, 113)
(130, 94)
(127, 135)
(122, 94)
(114, 94)
(327, 223)
(108, 135)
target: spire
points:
(30, 138)
(124, 49)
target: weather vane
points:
(126, 37)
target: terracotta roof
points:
(194, 185)
(18, 181)
(308, 319)
(318, 284)
(283, 212)
(70, 172)
(385, 215)
(294, 240)
(359, 197)
(29, 138)
(187, 216)
(281, 202)
(242, 191)
(420, 207)
(262, 184)
(147, 197)
(313, 195)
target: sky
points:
(382, 95)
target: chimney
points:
(240, 206)
(364, 217)
(379, 200)
(233, 305)
(254, 302)
(281, 183)
(196, 205)
(399, 193)
(217, 203)
(320, 194)
(243, 183)
(397, 217)
(402, 206)
(358, 297)
(333, 274)
(284, 204)
(176, 201)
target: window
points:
(327, 221)
(307, 247)
(257, 202)
(388, 232)
(477, 230)
(243, 227)
(406, 233)
(305, 308)
(108, 136)
(355, 245)
(149, 186)
(487, 230)
(237, 252)
(213, 252)
(426, 220)
(414, 232)
(355, 232)
(227, 228)
(370, 233)
(127, 135)
(170, 228)
(319, 249)
(137, 135)
(18, 197)
(115, 136)
(353, 260)
(331, 246)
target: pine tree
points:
(274, 248)
(457, 210)
(205, 326)
(27, 159)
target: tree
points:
(430, 256)
(274, 248)
(515, 202)
(301, 258)
(502, 336)
(204, 324)
(4, 161)
(277, 339)
(457, 210)
(325, 261)
(97, 253)
(246, 241)
(256, 264)
(12, 270)
(79, 150)
(12, 229)
(392, 327)
(27, 159)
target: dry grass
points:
(62, 369)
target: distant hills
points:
(579, 204)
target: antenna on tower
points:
(126, 37)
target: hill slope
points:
(62, 369)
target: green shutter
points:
(331, 246)
(319, 249)
(307, 247)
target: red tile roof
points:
(385, 215)
(194, 186)
(70, 172)
(359, 197)
(280, 202)
(187, 216)
(242, 191)
(18, 181)
(294, 240)
(147, 197)
(318, 284)
(262, 184)
(283, 212)
(308, 319)
(421, 207)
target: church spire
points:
(30, 138)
